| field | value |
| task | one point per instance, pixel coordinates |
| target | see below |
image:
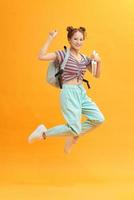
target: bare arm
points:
(98, 69)
(43, 55)
(89, 67)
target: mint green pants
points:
(74, 103)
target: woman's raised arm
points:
(43, 55)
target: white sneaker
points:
(37, 134)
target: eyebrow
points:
(76, 37)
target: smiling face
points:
(76, 40)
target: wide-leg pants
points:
(74, 103)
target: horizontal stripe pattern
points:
(73, 67)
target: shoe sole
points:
(29, 138)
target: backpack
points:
(54, 72)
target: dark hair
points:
(72, 30)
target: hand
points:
(52, 34)
(95, 56)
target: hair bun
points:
(82, 28)
(70, 28)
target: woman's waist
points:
(75, 81)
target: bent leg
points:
(71, 110)
(63, 130)
(93, 114)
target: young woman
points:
(74, 100)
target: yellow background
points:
(101, 165)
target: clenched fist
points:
(53, 34)
(95, 56)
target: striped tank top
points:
(73, 67)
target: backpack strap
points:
(67, 53)
(62, 66)
(88, 85)
(84, 56)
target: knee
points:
(100, 119)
